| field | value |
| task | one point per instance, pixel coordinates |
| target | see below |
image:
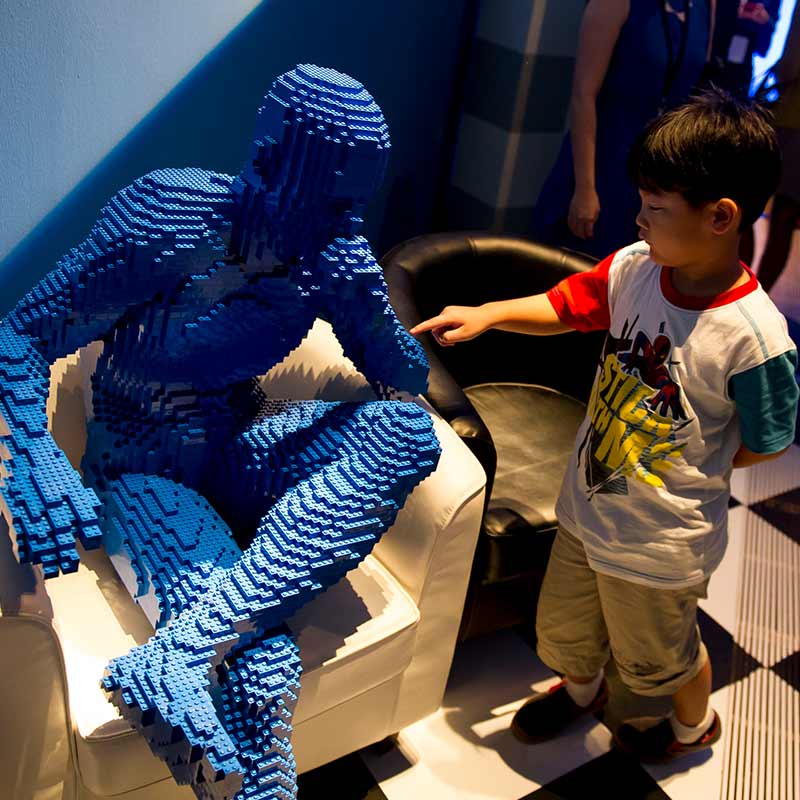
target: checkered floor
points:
(751, 625)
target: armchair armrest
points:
(475, 435)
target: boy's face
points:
(678, 234)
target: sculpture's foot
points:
(228, 736)
(162, 687)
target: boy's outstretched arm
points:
(533, 315)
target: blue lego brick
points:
(45, 503)
(259, 686)
(342, 499)
(197, 282)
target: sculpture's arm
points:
(346, 288)
(148, 239)
(43, 499)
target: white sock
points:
(686, 734)
(583, 693)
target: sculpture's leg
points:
(287, 442)
(165, 541)
(258, 687)
(322, 526)
(170, 547)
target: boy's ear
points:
(725, 215)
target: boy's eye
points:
(655, 208)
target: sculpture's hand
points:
(45, 503)
(161, 686)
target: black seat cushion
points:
(533, 429)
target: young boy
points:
(696, 378)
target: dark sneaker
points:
(658, 745)
(546, 714)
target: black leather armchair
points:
(515, 400)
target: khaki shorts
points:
(583, 616)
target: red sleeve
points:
(581, 301)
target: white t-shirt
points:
(648, 484)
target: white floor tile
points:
(466, 751)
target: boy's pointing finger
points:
(428, 325)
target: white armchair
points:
(376, 648)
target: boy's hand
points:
(456, 324)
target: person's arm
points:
(766, 400)
(533, 315)
(579, 302)
(600, 27)
(712, 24)
(747, 458)
(788, 68)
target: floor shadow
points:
(487, 686)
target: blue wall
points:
(95, 94)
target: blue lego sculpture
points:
(223, 510)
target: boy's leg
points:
(571, 634)
(571, 639)
(658, 650)
(690, 702)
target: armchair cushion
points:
(533, 428)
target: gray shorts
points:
(583, 616)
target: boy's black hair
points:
(712, 147)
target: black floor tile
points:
(789, 670)
(345, 779)
(729, 662)
(782, 511)
(613, 776)
(733, 502)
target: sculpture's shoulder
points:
(176, 200)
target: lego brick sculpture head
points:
(319, 153)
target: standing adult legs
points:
(783, 221)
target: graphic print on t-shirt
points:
(635, 413)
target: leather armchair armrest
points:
(476, 437)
